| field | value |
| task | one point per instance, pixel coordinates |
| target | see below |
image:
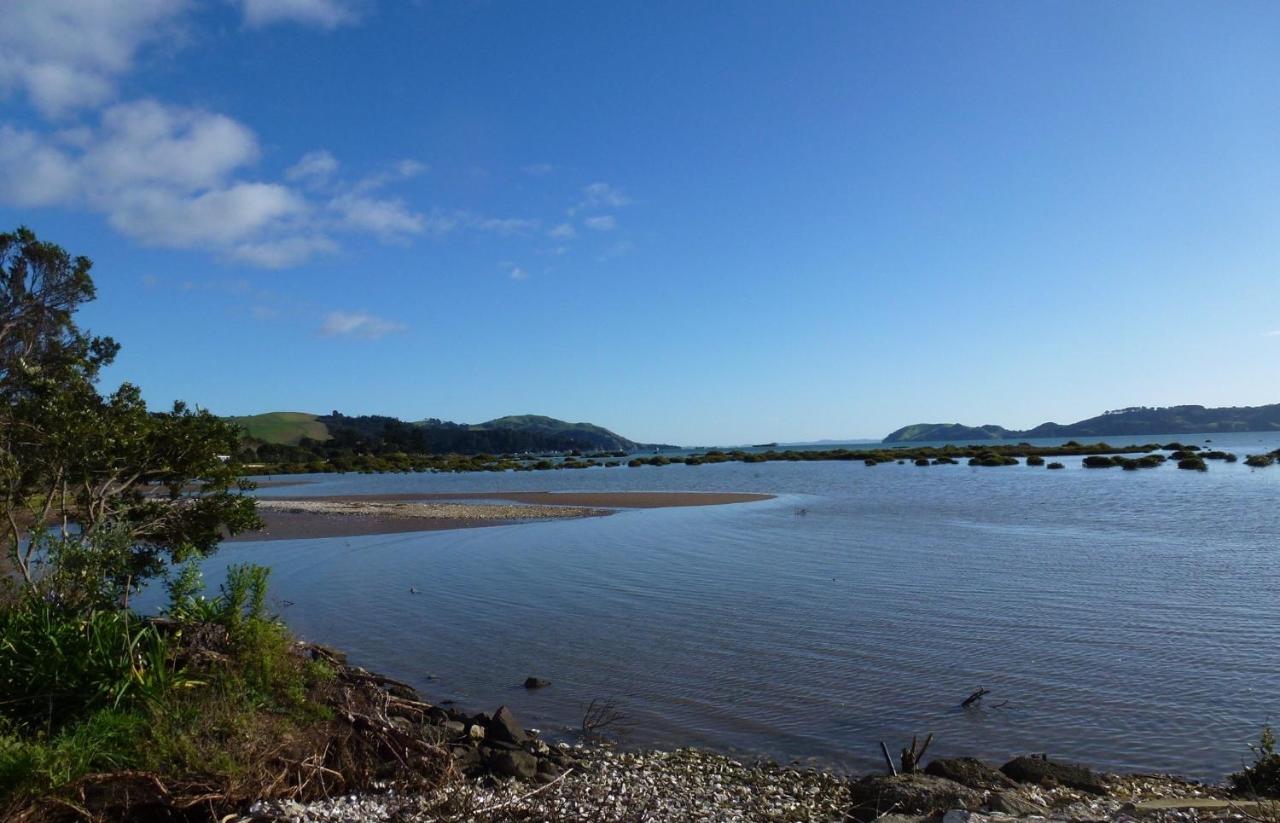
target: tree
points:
(89, 464)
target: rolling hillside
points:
(1137, 420)
(283, 428)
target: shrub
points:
(1262, 777)
(1193, 464)
(1259, 461)
(1098, 461)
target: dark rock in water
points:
(1042, 771)
(536, 683)
(517, 764)
(920, 794)
(969, 771)
(504, 726)
(1012, 803)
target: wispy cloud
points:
(327, 14)
(518, 273)
(314, 166)
(1272, 333)
(603, 195)
(604, 222)
(359, 325)
(564, 231)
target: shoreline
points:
(355, 515)
(504, 772)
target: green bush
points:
(1259, 461)
(1262, 777)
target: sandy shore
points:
(606, 500)
(354, 515)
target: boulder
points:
(1041, 771)
(517, 764)
(1014, 804)
(536, 683)
(910, 794)
(969, 771)
(504, 726)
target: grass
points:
(284, 428)
(214, 703)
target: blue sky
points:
(692, 222)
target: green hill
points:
(586, 435)
(284, 428)
(1135, 420)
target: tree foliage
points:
(81, 462)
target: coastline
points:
(503, 772)
(369, 514)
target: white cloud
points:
(214, 218)
(602, 195)
(384, 217)
(314, 166)
(503, 225)
(402, 170)
(283, 252)
(602, 223)
(564, 231)
(67, 54)
(358, 325)
(327, 14)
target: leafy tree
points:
(82, 462)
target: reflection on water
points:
(1127, 619)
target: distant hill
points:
(283, 428)
(378, 434)
(1136, 420)
(584, 435)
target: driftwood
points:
(888, 761)
(976, 697)
(911, 757)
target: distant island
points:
(1135, 420)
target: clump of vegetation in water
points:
(1055, 465)
(1262, 777)
(992, 459)
(1035, 460)
(1097, 461)
(1193, 464)
(1219, 455)
(922, 461)
(1259, 461)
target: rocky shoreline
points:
(507, 773)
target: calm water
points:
(1127, 619)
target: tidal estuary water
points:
(1130, 620)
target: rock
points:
(466, 757)
(504, 726)
(1041, 771)
(536, 683)
(911, 794)
(969, 771)
(454, 727)
(547, 767)
(1014, 804)
(962, 816)
(517, 764)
